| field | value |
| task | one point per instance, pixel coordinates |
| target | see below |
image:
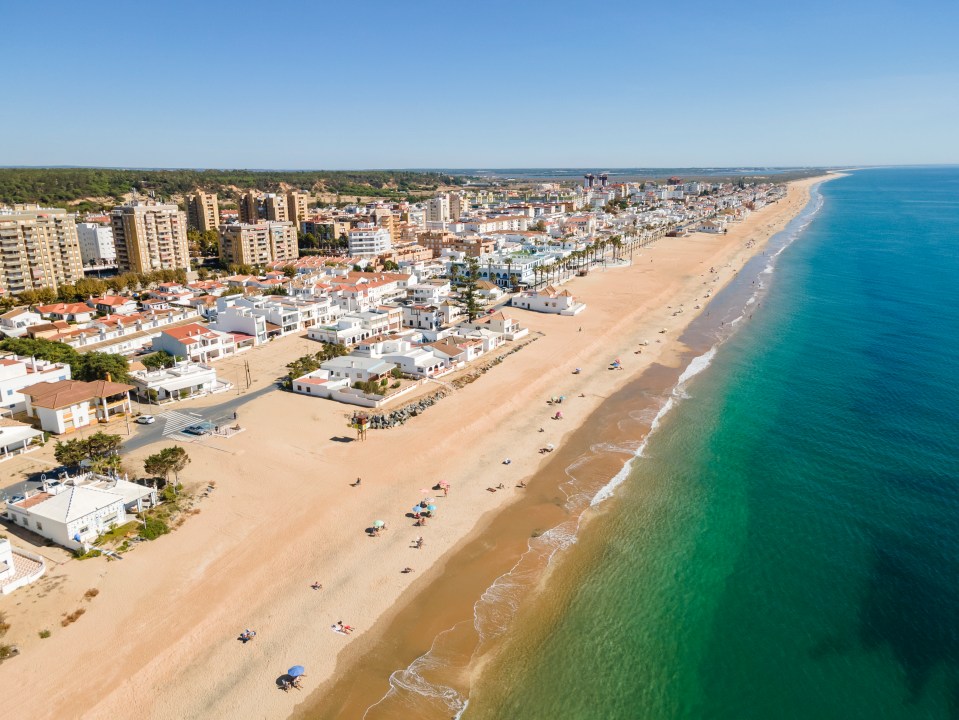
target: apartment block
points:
(275, 209)
(258, 243)
(249, 208)
(438, 209)
(202, 211)
(368, 239)
(96, 244)
(297, 205)
(150, 236)
(39, 248)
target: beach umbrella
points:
(417, 509)
(296, 671)
(378, 523)
(427, 501)
(431, 508)
(443, 483)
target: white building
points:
(65, 406)
(240, 321)
(438, 209)
(18, 567)
(17, 373)
(15, 322)
(357, 369)
(76, 512)
(549, 300)
(369, 240)
(184, 380)
(96, 244)
(17, 438)
(352, 328)
(196, 342)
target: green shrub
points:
(154, 528)
(44, 634)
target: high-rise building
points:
(249, 208)
(96, 244)
(275, 209)
(202, 211)
(438, 209)
(297, 204)
(38, 248)
(258, 243)
(459, 205)
(150, 236)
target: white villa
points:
(18, 372)
(16, 322)
(549, 300)
(196, 342)
(75, 512)
(184, 380)
(68, 405)
(357, 326)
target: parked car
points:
(146, 419)
(201, 428)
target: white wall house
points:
(355, 327)
(548, 300)
(357, 369)
(236, 319)
(16, 322)
(17, 373)
(183, 380)
(196, 342)
(76, 512)
(65, 406)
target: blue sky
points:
(359, 84)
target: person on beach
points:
(418, 543)
(507, 461)
(501, 486)
(357, 483)
(522, 484)
(406, 570)
(316, 586)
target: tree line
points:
(85, 288)
(53, 186)
(89, 366)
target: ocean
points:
(786, 543)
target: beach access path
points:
(159, 640)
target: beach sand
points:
(159, 641)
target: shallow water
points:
(787, 545)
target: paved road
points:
(171, 422)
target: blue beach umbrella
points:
(431, 508)
(417, 510)
(296, 671)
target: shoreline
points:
(348, 697)
(283, 514)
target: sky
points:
(424, 84)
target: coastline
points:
(458, 649)
(283, 514)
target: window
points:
(39, 525)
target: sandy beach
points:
(160, 638)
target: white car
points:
(146, 419)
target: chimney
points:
(109, 377)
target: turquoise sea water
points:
(788, 547)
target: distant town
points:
(108, 314)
